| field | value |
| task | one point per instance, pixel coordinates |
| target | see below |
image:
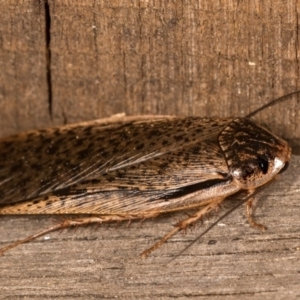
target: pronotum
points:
(136, 169)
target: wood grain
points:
(70, 61)
(147, 57)
(23, 86)
(233, 260)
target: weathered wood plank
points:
(230, 261)
(147, 57)
(205, 58)
(23, 80)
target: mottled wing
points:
(130, 193)
(122, 160)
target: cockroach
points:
(137, 168)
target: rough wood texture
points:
(69, 61)
(230, 262)
(23, 86)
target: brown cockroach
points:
(137, 168)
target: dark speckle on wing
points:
(130, 154)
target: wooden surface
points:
(204, 58)
(232, 261)
(70, 61)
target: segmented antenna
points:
(275, 101)
(259, 189)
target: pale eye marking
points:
(278, 164)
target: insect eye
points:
(263, 164)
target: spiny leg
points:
(31, 238)
(70, 223)
(251, 221)
(184, 224)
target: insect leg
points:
(251, 221)
(30, 238)
(184, 224)
(74, 222)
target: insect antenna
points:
(221, 218)
(275, 101)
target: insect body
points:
(136, 169)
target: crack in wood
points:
(48, 54)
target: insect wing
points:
(123, 160)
